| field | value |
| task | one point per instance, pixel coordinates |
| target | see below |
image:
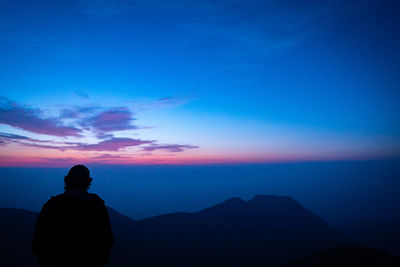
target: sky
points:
(194, 82)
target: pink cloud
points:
(30, 119)
(113, 144)
(6, 138)
(116, 119)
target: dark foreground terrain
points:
(265, 231)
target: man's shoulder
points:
(54, 200)
(67, 196)
(95, 198)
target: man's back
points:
(73, 229)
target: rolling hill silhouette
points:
(384, 235)
(16, 232)
(347, 257)
(265, 231)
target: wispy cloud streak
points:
(170, 148)
(14, 136)
(114, 144)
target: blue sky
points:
(200, 81)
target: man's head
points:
(78, 177)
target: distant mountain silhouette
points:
(347, 257)
(265, 231)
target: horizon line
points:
(222, 163)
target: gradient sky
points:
(183, 82)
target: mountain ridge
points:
(266, 230)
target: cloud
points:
(30, 119)
(170, 148)
(79, 111)
(66, 113)
(39, 145)
(91, 120)
(104, 136)
(163, 102)
(81, 94)
(13, 136)
(66, 160)
(115, 119)
(16, 137)
(112, 156)
(6, 138)
(113, 144)
(172, 101)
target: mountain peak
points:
(269, 198)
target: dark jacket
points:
(73, 229)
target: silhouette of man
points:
(73, 228)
